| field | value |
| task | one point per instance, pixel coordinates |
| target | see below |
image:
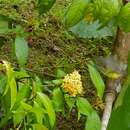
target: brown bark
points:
(121, 50)
(122, 46)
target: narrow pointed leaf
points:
(13, 89)
(48, 107)
(97, 80)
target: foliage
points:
(45, 5)
(26, 106)
(61, 97)
(122, 106)
(85, 30)
(123, 18)
(22, 100)
(21, 49)
(97, 17)
(123, 112)
(75, 12)
(96, 79)
(23, 105)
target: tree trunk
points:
(121, 49)
(122, 46)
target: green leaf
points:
(106, 10)
(120, 97)
(124, 18)
(70, 101)
(26, 106)
(76, 12)
(10, 75)
(11, 83)
(23, 93)
(39, 127)
(58, 100)
(3, 81)
(48, 107)
(60, 73)
(13, 89)
(4, 24)
(21, 74)
(120, 118)
(84, 106)
(45, 5)
(93, 122)
(39, 112)
(96, 79)
(18, 115)
(21, 50)
(57, 81)
(92, 30)
(38, 84)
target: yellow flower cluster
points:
(72, 83)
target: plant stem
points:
(121, 50)
(110, 97)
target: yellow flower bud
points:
(73, 84)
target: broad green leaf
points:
(39, 127)
(45, 5)
(39, 112)
(105, 10)
(60, 73)
(96, 79)
(57, 81)
(76, 12)
(21, 50)
(92, 30)
(18, 115)
(124, 18)
(23, 93)
(4, 24)
(93, 122)
(21, 74)
(58, 100)
(120, 118)
(38, 84)
(26, 106)
(4, 27)
(48, 107)
(70, 101)
(84, 107)
(13, 89)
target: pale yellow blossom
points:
(72, 84)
